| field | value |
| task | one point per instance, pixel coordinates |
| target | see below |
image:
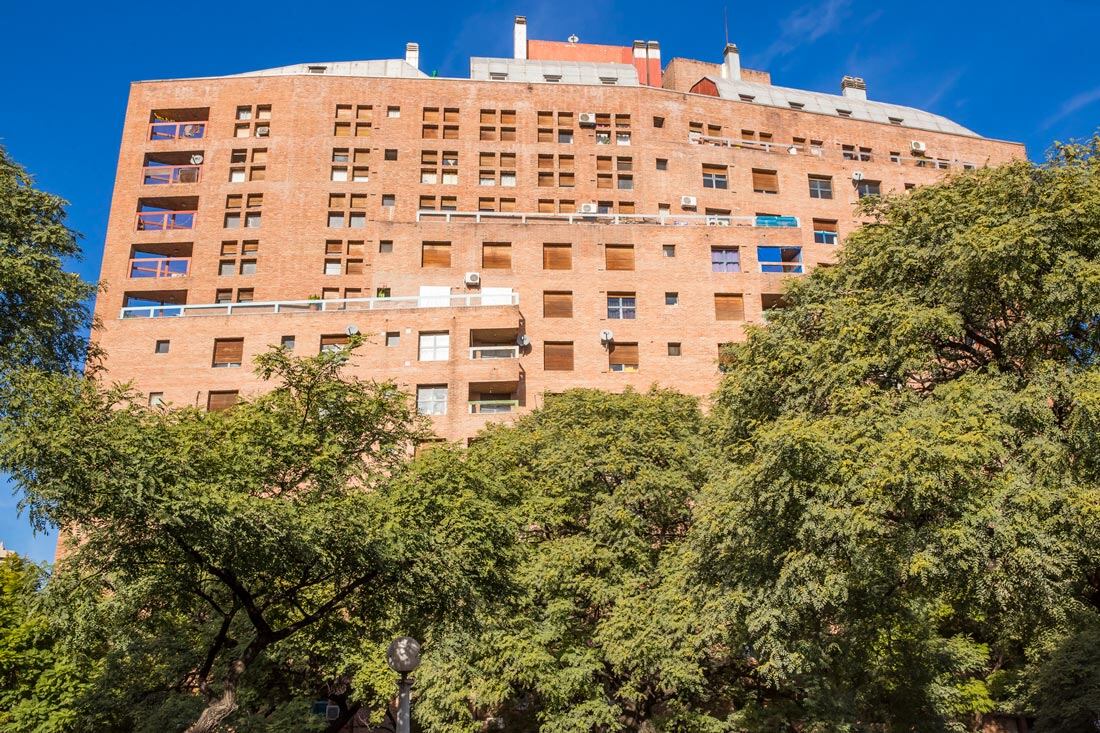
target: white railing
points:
(496, 407)
(524, 217)
(494, 352)
(852, 156)
(472, 300)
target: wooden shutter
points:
(333, 340)
(228, 351)
(557, 356)
(825, 225)
(729, 307)
(355, 267)
(619, 256)
(766, 181)
(220, 400)
(557, 257)
(436, 254)
(557, 304)
(496, 256)
(626, 354)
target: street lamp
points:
(403, 656)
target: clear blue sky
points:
(1014, 70)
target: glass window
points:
(393, 338)
(715, 180)
(668, 250)
(868, 188)
(821, 187)
(672, 298)
(431, 399)
(435, 346)
(565, 136)
(780, 259)
(725, 259)
(621, 307)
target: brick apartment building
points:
(577, 215)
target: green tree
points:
(605, 635)
(230, 567)
(43, 309)
(910, 501)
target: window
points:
(243, 209)
(668, 250)
(161, 347)
(557, 257)
(228, 352)
(797, 105)
(431, 399)
(389, 200)
(619, 256)
(714, 176)
(662, 164)
(253, 121)
(385, 246)
(247, 165)
(435, 254)
(435, 346)
(844, 112)
(672, 298)
(557, 304)
(622, 357)
(779, 259)
(333, 342)
(287, 342)
(729, 307)
(895, 157)
(238, 257)
(393, 112)
(557, 356)
(658, 122)
(725, 259)
(896, 120)
(746, 97)
(496, 256)
(821, 187)
(674, 348)
(390, 154)
(853, 152)
(825, 231)
(621, 306)
(393, 338)
(344, 258)
(156, 399)
(764, 181)
(868, 188)
(223, 400)
(347, 210)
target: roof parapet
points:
(853, 87)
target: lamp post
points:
(403, 656)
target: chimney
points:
(653, 57)
(731, 62)
(853, 87)
(412, 55)
(519, 36)
(640, 62)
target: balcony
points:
(158, 267)
(675, 220)
(178, 124)
(328, 305)
(167, 169)
(165, 214)
(493, 398)
(818, 151)
(493, 344)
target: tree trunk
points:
(222, 707)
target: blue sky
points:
(1012, 70)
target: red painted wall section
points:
(595, 53)
(705, 86)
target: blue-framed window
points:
(780, 259)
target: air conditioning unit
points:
(263, 131)
(588, 209)
(917, 146)
(694, 136)
(587, 118)
(196, 159)
(606, 336)
(472, 279)
(857, 175)
(523, 341)
(718, 221)
(688, 202)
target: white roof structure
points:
(860, 109)
(561, 72)
(392, 68)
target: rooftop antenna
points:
(726, 22)
(573, 38)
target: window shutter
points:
(333, 340)
(557, 357)
(825, 225)
(496, 256)
(557, 305)
(619, 256)
(626, 354)
(557, 256)
(216, 401)
(436, 254)
(729, 307)
(766, 181)
(228, 351)
(355, 267)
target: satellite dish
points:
(573, 38)
(351, 330)
(793, 150)
(606, 335)
(523, 340)
(196, 159)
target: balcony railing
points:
(177, 130)
(330, 305)
(484, 217)
(160, 267)
(785, 267)
(851, 156)
(496, 407)
(494, 352)
(160, 175)
(155, 221)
